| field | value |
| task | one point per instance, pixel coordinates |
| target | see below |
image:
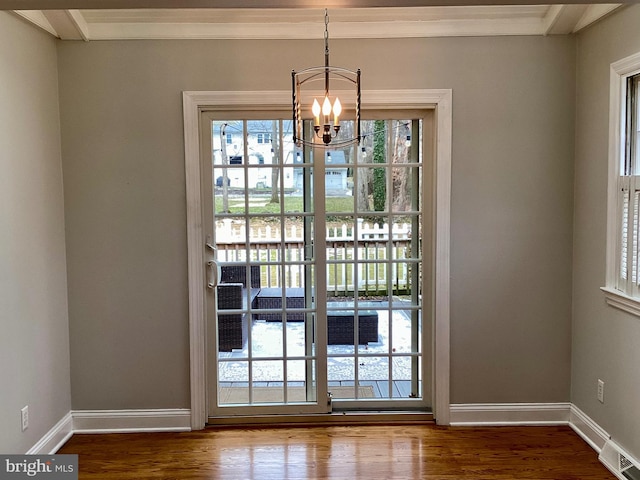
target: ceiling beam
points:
(129, 4)
(437, 28)
(37, 18)
(69, 24)
(562, 19)
(595, 13)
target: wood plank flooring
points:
(341, 452)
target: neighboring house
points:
(261, 152)
(335, 177)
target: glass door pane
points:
(373, 230)
(262, 221)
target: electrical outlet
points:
(25, 417)
(600, 391)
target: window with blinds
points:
(629, 193)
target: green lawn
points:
(292, 204)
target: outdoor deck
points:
(400, 388)
(370, 363)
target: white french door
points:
(265, 335)
(318, 279)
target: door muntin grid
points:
(375, 262)
(262, 229)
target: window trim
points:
(619, 72)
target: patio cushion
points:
(232, 328)
(340, 327)
(232, 295)
(271, 298)
(238, 274)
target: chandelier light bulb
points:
(326, 109)
(337, 110)
(316, 111)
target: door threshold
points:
(325, 419)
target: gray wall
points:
(513, 126)
(606, 341)
(34, 339)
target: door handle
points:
(213, 273)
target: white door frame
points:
(440, 100)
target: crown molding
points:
(253, 4)
(302, 24)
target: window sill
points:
(617, 299)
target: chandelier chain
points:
(326, 31)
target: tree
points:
(275, 171)
(363, 182)
(401, 182)
(379, 176)
(225, 162)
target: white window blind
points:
(624, 231)
(629, 194)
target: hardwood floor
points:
(353, 452)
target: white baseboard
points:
(111, 421)
(121, 421)
(589, 430)
(54, 438)
(493, 414)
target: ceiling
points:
(367, 20)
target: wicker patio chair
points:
(232, 328)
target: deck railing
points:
(370, 259)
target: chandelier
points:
(326, 113)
